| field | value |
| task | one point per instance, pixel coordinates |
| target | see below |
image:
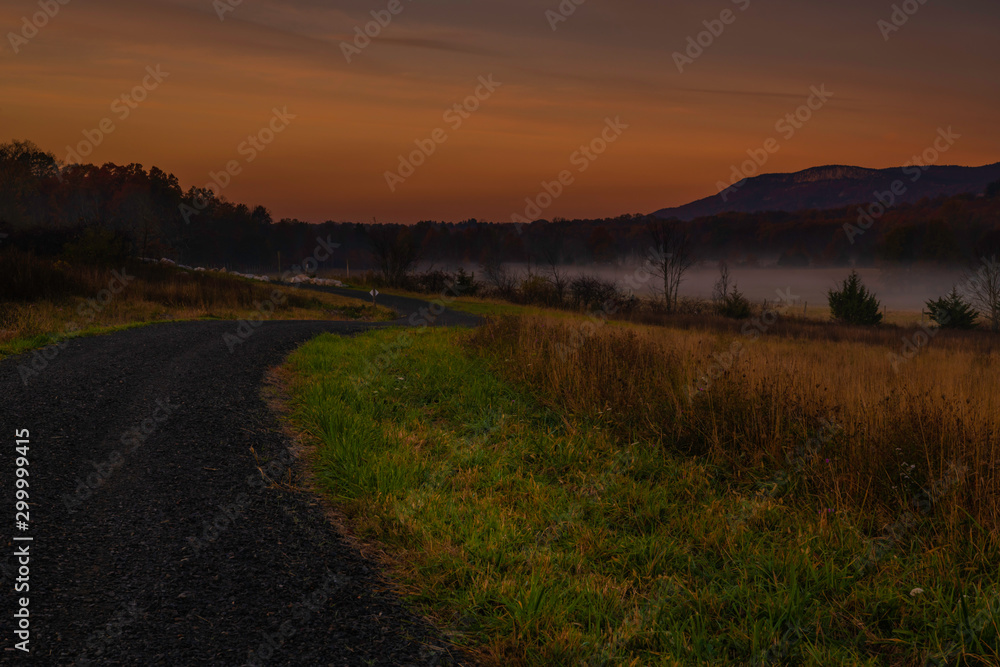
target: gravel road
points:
(156, 540)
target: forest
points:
(46, 207)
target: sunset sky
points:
(607, 60)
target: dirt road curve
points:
(155, 540)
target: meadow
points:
(556, 489)
(44, 300)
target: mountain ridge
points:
(836, 186)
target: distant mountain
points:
(836, 186)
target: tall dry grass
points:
(42, 296)
(897, 433)
(26, 278)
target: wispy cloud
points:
(608, 59)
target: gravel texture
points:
(165, 546)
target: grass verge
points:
(45, 301)
(535, 533)
(467, 304)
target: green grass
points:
(466, 304)
(532, 536)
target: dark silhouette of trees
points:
(983, 285)
(729, 300)
(952, 312)
(601, 244)
(44, 206)
(499, 275)
(549, 256)
(854, 304)
(672, 247)
(25, 172)
(395, 250)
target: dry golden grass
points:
(751, 414)
(41, 299)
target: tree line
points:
(45, 205)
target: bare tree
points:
(395, 251)
(982, 287)
(672, 256)
(499, 275)
(556, 276)
(721, 292)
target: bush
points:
(592, 293)
(854, 304)
(434, 282)
(465, 283)
(97, 247)
(953, 312)
(536, 289)
(431, 282)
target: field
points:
(47, 300)
(560, 490)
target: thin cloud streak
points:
(355, 120)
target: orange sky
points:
(608, 60)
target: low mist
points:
(898, 288)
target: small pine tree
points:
(953, 312)
(854, 304)
(735, 305)
(730, 302)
